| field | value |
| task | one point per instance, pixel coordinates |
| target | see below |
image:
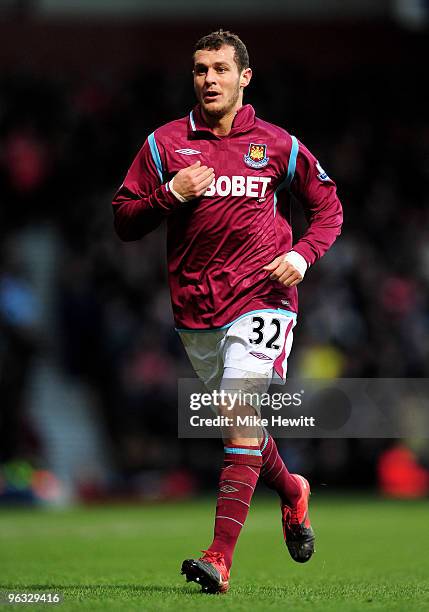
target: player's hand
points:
(193, 181)
(283, 271)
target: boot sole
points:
(204, 575)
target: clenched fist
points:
(288, 269)
(193, 181)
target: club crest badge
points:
(256, 156)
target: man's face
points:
(217, 80)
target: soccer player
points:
(222, 179)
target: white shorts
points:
(253, 349)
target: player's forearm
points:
(318, 195)
(321, 234)
(135, 217)
(132, 221)
(160, 199)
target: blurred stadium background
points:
(88, 355)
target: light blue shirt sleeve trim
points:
(279, 188)
(290, 171)
(155, 155)
(289, 313)
(191, 119)
(242, 451)
(292, 161)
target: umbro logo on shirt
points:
(188, 151)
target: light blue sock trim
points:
(242, 451)
(215, 329)
(155, 154)
(265, 443)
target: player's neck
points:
(222, 126)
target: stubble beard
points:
(224, 110)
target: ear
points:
(245, 77)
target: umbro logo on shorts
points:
(228, 489)
(188, 151)
(260, 356)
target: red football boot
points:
(209, 571)
(297, 531)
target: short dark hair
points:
(216, 40)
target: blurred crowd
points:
(65, 145)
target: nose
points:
(210, 76)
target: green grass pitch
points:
(371, 554)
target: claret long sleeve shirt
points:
(217, 244)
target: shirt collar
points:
(244, 121)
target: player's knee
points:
(239, 440)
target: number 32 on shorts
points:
(265, 331)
